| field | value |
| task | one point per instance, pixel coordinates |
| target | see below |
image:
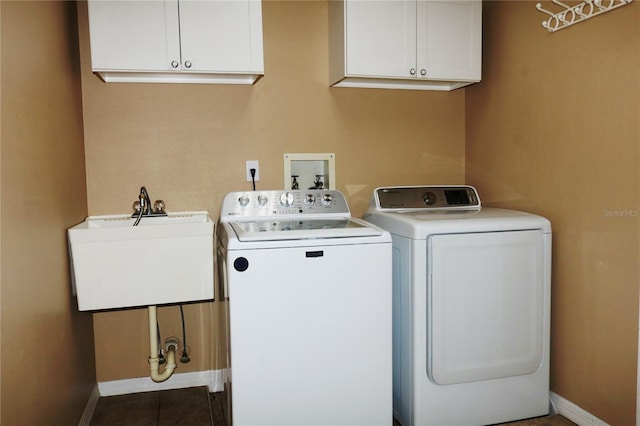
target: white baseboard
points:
(85, 420)
(213, 379)
(574, 413)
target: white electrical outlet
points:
(253, 164)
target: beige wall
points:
(188, 145)
(0, 218)
(554, 128)
(47, 360)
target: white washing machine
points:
(309, 310)
(471, 307)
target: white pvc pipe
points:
(154, 360)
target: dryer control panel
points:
(427, 197)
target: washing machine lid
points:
(301, 229)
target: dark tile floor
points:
(185, 407)
(197, 407)
(553, 420)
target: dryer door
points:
(485, 294)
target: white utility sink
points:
(162, 260)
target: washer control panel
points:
(427, 197)
(237, 205)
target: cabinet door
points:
(449, 39)
(221, 36)
(380, 38)
(134, 35)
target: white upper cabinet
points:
(405, 44)
(177, 41)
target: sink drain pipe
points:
(154, 360)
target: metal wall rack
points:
(580, 12)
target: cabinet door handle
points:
(412, 71)
(187, 64)
(174, 64)
(423, 72)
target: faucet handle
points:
(158, 207)
(136, 207)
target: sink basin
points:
(162, 260)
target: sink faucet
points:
(143, 207)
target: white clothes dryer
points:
(308, 291)
(471, 307)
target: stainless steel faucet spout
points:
(145, 201)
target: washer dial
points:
(309, 199)
(286, 199)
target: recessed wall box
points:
(309, 171)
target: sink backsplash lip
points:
(125, 220)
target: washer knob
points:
(429, 198)
(262, 200)
(327, 199)
(286, 199)
(310, 199)
(243, 200)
